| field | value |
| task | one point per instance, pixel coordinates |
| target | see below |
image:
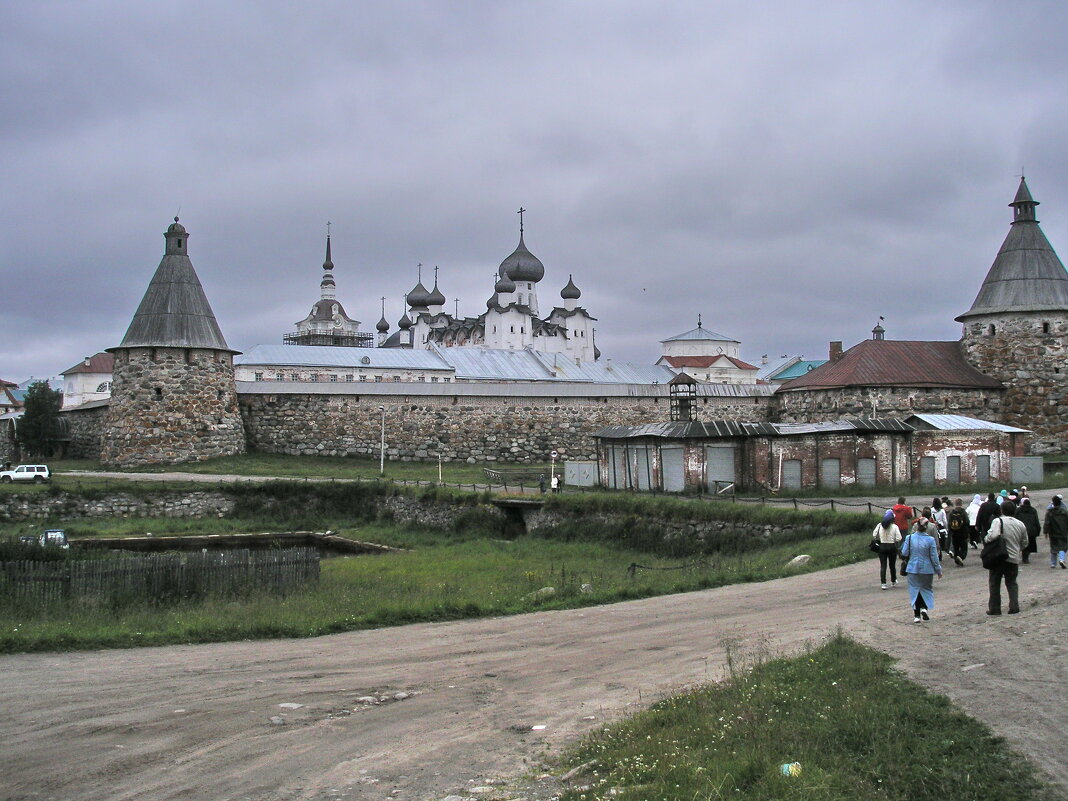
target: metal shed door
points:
(642, 468)
(952, 469)
(927, 470)
(866, 472)
(673, 469)
(719, 466)
(982, 469)
(831, 473)
(791, 474)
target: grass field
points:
(446, 576)
(858, 729)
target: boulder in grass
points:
(801, 559)
(544, 594)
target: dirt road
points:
(194, 722)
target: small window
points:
(280, 377)
(363, 377)
(333, 378)
(179, 244)
(314, 377)
(433, 379)
(1045, 328)
(378, 379)
(446, 380)
(396, 378)
(992, 330)
(159, 392)
(294, 377)
(421, 378)
(258, 377)
(348, 378)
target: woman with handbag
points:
(922, 552)
(885, 538)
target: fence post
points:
(869, 507)
(832, 504)
(795, 504)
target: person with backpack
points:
(973, 519)
(921, 550)
(1056, 528)
(958, 525)
(939, 518)
(887, 535)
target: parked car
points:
(37, 473)
(56, 537)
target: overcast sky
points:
(789, 170)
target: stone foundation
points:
(171, 405)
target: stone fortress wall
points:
(1028, 352)
(834, 404)
(171, 405)
(501, 424)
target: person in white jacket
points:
(973, 517)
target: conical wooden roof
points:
(1027, 275)
(175, 313)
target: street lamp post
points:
(382, 444)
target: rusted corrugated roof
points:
(896, 363)
(722, 429)
(98, 363)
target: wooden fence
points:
(160, 576)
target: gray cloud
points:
(791, 171)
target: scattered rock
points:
(797, 561)
(278, 720)
(481, 790)
(400, 696)
(586, 589)
(540, 595)
(290, 705)
(454, 798)
(576, 771)
(367, 700)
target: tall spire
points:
(327, 287)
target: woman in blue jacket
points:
(921, 549)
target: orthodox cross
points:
(435, 275)
(383, 305)
(328, 224)
(419, 267)
(456, 307)
(520, 213)
(698, 320)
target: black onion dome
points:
(504, 284)
(383, 325)
(404, 322)
(435, 298)
(570, 292)
(418, 297)
(522, 265)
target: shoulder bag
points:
(994, 552)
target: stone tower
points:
(173, 396)
(1017, 329)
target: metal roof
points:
(956, 422)
(719, 429)
(98, 363)
(603, 371)
(895, 363)
(1027, 274)
(797, 369)
(330, 356)
(699, 333)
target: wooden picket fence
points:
(161, 576)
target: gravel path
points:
(206, 721)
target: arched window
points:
(992, 330)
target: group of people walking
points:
(1006, 522)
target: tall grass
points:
(449, 575)
(858, 729)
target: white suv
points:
(37, 473)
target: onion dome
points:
(328, 264)
(435, 298)
(383, 325)
(418, 297)
(522, 265)
(504, 284)
(492, 302)
(404, 322)
(570, 292)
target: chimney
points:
(87, 360)
(764, 359)
(836, 350)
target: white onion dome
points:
(522, 265)
(570, 292)
(435, 298)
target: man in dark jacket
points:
(1028, 515)
(1056, 528)
(988, 510)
